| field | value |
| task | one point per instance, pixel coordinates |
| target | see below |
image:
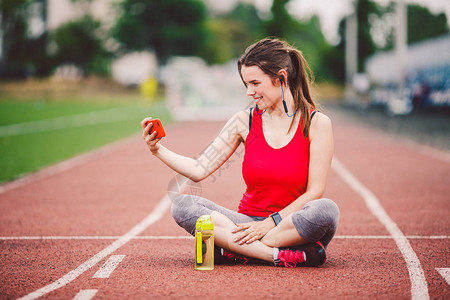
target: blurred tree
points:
(228, 35)
(169, 27)
(281, 23)
(77, 43)
(365, 9)
(218, 48)
(251, 27)
(41, 63)
(24, 53)
(422, 24)
(315, 48)
(335, 57)
(81, 1)
(306, 36)
(13, 35)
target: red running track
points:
(59, 227)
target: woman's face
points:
(260, 87)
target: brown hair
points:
(272, 55)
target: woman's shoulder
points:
(320, 123)
(238, 124)
(241, 118)
(321, 118)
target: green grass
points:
(14, 111)
(27, 152)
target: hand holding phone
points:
(157, 126)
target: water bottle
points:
(204, 243)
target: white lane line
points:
(409, 237)
(188, 237)
(85, 295)
(79, 120)
(419, 287)
(445, 272)
(108, 237)
(109, 266)
(154, 216)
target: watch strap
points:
(276, 218)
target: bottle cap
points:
(204, 223)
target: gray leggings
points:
(317, 221)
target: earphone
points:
(284, 103)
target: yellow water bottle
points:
(204, 243)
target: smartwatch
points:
(276, 218)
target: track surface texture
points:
(99, 226)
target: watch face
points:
(276, 218)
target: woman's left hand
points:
(252, 231)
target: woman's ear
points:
(282, 77)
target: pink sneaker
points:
(308, 255)
(223, 256)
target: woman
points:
(282, 217)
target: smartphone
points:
(157, 126)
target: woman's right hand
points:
(150, 139)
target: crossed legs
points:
(317, 221)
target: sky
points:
(330, 12)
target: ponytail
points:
(299, 84)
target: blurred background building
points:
(426, 82)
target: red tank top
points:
(274, 177)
